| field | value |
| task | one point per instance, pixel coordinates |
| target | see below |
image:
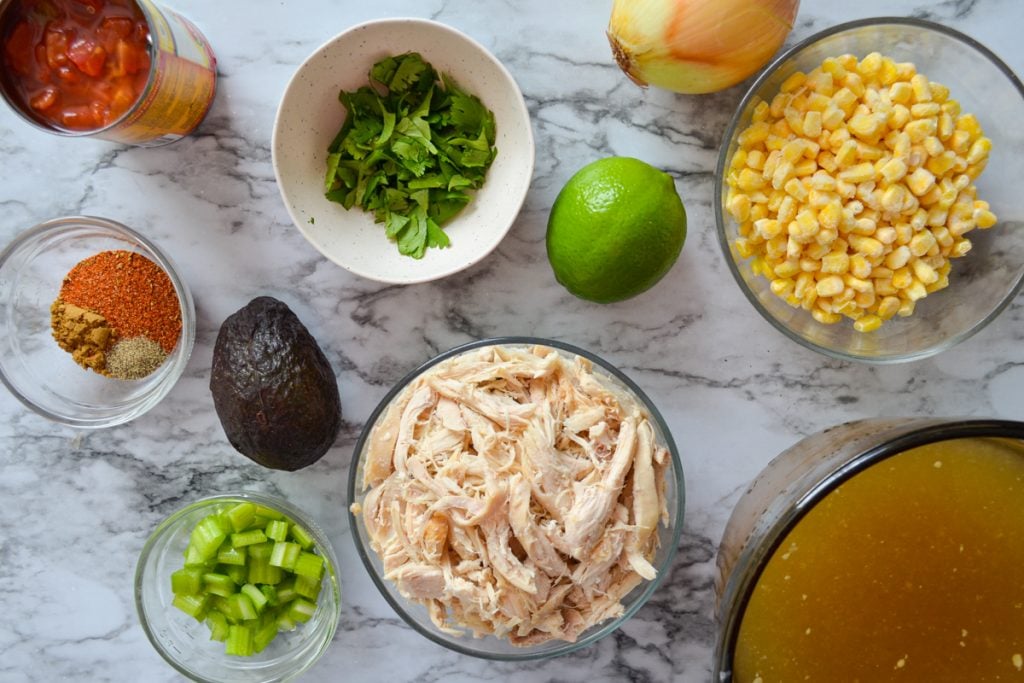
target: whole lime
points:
(616, 228)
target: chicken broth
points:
(910, 570)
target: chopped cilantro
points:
(410, 150)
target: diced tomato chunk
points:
(56, 48)
(80, 117)
(88, 56)
(44, 99)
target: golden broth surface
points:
(912, 570)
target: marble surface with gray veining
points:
(76, 507)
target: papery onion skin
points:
(697, 46)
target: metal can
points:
(176, 97)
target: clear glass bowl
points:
(983, 282)
(496, 648)
(185, 643)
(33, 367)
(797, 480)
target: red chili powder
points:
(131, 292)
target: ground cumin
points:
(87, 336)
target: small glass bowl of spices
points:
(96, 326)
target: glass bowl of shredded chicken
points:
(516, 498)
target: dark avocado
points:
(272, 386)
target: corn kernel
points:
(893, 170)
(870, 65)
(919, 129)
(960, 142)
(888, 307)
(899, 117)
(979, 150)
(755, 133)
(865, 126)
(837, 262)
(892, 198)
(869, 323)
(793, 82)
(768, 228)
(739, 207)
(969, 124)
(884, 287)
(886, 234)
(860, 266)
(984, 218)
(830, 286)
(906, 308)
(805, 168)
(859, 173)
(921, 87)
(923, 272)
(921, 243)
(787, 269)
(916, 291)
(796, 189)
(941, 164)
(787, 209)
(902, 278)
(933, 146)
(942, 236)
(960, 248)
(900, 92)
(945, 126)
(920, 181)
(857, 284)
(812, 123)
(868, 246)
(782, 287)
(824, 317)
(923, 110)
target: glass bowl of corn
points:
(866, 197)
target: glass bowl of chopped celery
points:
(896, 229)
(241, 587)
(403, 150)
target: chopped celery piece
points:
(277, 530)
(264, 635)
(245, 538)
(238, 573)
(260, 571)
(232, 555)
(307, 587)
(268, 513)
(256, 596)
(194, 558)
(218, 584)
(240, 641)
(218, 624)
(261, 550)
(285, 622)
(241, 607)
(301, 610)
(207, 536)
(302, 537)
(187, 581)
(270, 593)
(284, 555)
(309, 565)
(241, 516)
(193, 605)
(286, 590)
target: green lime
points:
(615, 229)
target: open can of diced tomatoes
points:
(122, 70)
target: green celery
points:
(261, 551)
(268, 513)
(193, 605)
(256, 596)
(218, 584)
(285, 622)
(309, 565)
(301, 610)
(238, 573)
(232, 555)
(218, 624)
(307, 587)
(241, 516)
(241, 607)
(193, 557)
(240, 641)
(245, 538)
(277, 530)
(264, 635)
(261, 572)
(271, 595)
(207, 536)
(285, 555)
(286, 590)
(301, 536)
(187, 581)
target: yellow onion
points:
(697, 46)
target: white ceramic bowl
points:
(310, 115)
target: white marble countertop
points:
(75, 508)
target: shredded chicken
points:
(515, 493)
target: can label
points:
(181, 88)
